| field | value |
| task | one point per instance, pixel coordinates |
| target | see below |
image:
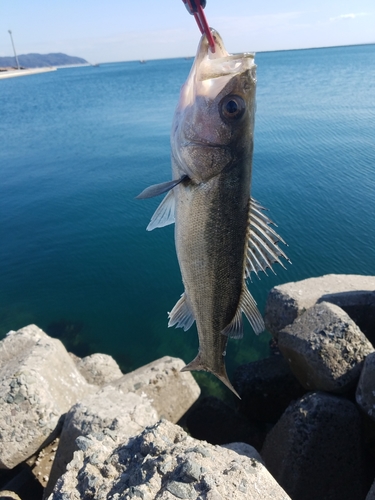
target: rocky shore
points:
(304, 428)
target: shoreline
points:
(23, 72)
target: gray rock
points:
(171, 391)
(371, 493)
(365, 394)
(74, 357)
(325, 349)
(244, 449)
(164, 463)
(38, 383)
(353, 293)
(99, 369)
(266, 388)
(109, 412)
(314, 451)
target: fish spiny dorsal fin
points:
(248, 306)
(262, 249)
(181, 315)
(260, 253)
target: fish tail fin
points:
(224, 378)
(197, 365)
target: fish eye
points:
(232, 107)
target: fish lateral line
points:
(163, 187)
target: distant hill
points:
(41, 60)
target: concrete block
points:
(164, 463)
(109, 412)
(365, 394)
(353, 293)
(99, 369)
(171, 391)
(39, 382)
(325, 349)
(315, 451)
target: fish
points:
(222, 235)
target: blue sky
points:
(121, 30)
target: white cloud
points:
(348, 16)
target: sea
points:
(77, 145)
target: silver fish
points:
(221, 234)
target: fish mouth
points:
(220, 63)
(211, 71)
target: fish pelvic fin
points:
(197, 365)
(262, 250)
(164, 214)
(248, 307)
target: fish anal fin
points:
(164, 214)
(251, 311)
(182, 315)
(248, 307)
(235, 328)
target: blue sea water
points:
(77, 145)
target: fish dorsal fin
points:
(182, 315)
(248, 306)
(164, 214)
(262, 250)
(157, 189)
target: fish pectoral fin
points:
(181, 315)
(164, 214)
(248, 306)
(262, 249)
(157, 189)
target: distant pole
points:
(14, 49)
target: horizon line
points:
(254, 52)
(193, 56)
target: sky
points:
(124, 30)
